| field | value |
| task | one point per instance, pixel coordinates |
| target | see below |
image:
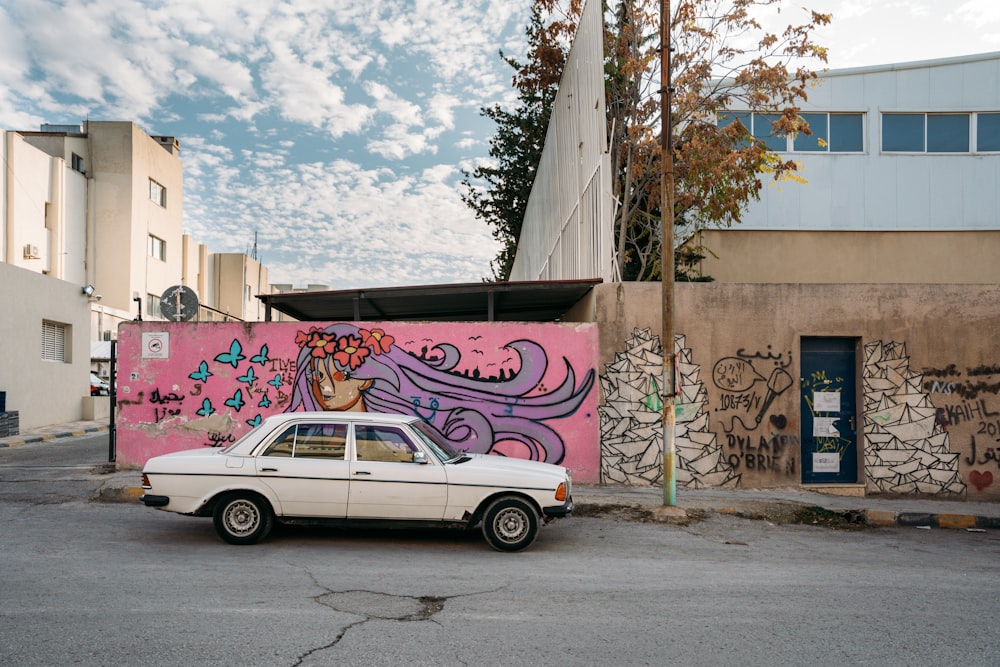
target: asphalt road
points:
(87, 583)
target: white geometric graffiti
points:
(906, 449)
(632, 420)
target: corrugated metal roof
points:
(531, 301)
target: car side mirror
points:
(420, 457)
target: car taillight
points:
(561, 492)
(145, 482)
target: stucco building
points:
(92, 236)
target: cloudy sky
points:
(336, 130)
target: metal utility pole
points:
(667, 262)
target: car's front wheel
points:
(243, 518)
(510, 524)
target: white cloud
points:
(346, 225)
(979, 12)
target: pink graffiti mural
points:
(522, 390)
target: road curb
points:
(42, 437)
(923, 519)
(118, 494)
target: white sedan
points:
(342, 468)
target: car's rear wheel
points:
(243, 518)
(510, 524)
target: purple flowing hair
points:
(473, 414)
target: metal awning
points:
(534, 301)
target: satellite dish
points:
(179, 303)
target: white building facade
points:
(902, 176)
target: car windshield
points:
(442, 448)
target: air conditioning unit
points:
(31, 252)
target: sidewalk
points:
(54, 431)
(786, 505)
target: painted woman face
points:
(335, 390)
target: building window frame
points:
(153, 306)
(943, 132)
(55, 339)
(157, 248)
(836, 132)
(987, 131)
(76, 163)
(157, 193)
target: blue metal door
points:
(829, 411)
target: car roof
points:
(363, 417)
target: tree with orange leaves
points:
(722, 59)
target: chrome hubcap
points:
(510, 525)
(241, 517)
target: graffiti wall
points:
(966, 401)
(927, 418)
(520, 390)
(715, 440)
(632, 423)
(907, 446)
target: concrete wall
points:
(762, 256)
(43, 392)
(927, 376)
(523, 390)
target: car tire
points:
(243, 518)
(510, 524)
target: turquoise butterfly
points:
(236, 401)
(249, 377)
(261, 358)
(202, 373)
(234, 356)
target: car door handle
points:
(269, 470)
(361, 472)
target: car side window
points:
(317, 441)
(283, 444)
(382, 443)
(321, 441)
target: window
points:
(153, 306)
(948, 133)
(831, 132)
(926, 133)
(157, 248)
(988, 132)
(745, 119)
(758, 125)
(762, 130)
(54, 341)
(382, 443)
(157, 193)
(903, 132)
(77, 163)
(314, 441)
